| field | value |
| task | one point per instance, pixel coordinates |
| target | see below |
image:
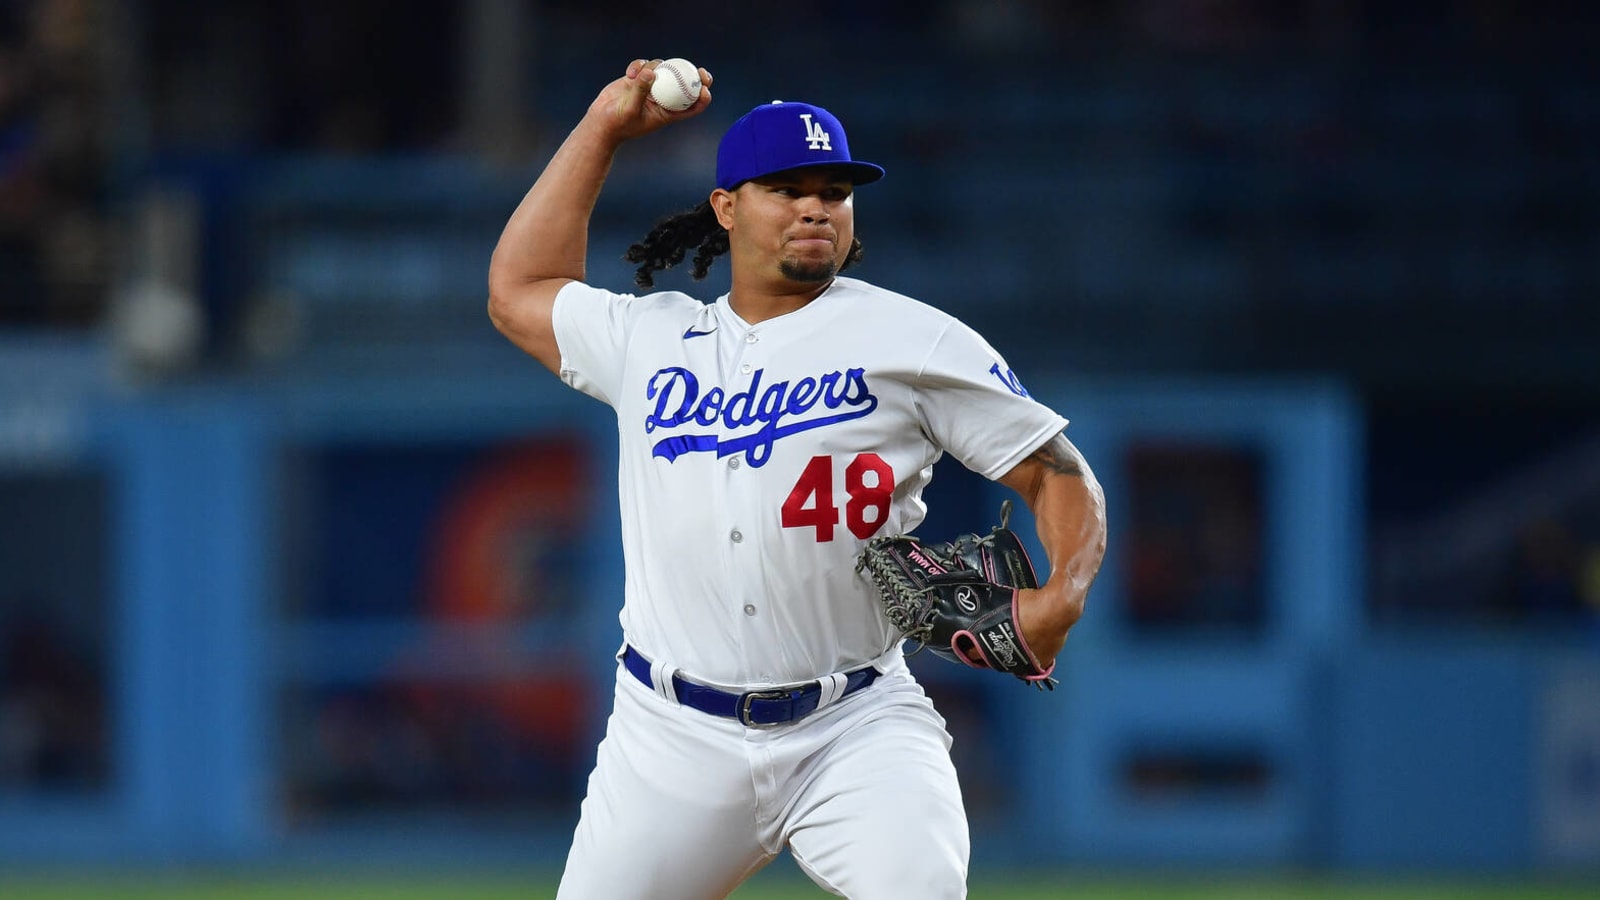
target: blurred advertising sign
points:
(1568, 774)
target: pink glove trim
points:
(972, 644)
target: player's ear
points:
(722, 203)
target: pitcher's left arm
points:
(1069, 512)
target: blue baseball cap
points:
(779, 136)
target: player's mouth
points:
(812, 242)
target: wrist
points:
(1045, 616)
(594, 135)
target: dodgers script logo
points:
(679, 404)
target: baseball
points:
(677, 85)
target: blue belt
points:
(772, 707)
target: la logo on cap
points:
(816, 138)
(762, 142)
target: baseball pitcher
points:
(774, 447)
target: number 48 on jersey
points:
(868, 483)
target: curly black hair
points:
(668, 242)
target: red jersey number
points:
(868, 483)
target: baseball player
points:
(762, 701)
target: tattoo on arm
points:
(1060, 457)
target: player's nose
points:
(812, 210)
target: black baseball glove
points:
(959, 599)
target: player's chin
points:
(808, 271)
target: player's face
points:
(795, 225)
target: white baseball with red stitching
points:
(677, 85)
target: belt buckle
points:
(753, 696)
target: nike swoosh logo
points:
(691, 333)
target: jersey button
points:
(733, 463)
(751, 338)
(745, 369)
(749, 609)
(737, 535)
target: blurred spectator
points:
(54, 239)
(21, 189)
(1589, 580)
(1227, 26)
(52, 708)
(429, 746)
(353, 77)
(1544, 581)
(1195, 538)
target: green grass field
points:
(136, 887)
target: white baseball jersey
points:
(756, 460)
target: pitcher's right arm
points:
(546, 240)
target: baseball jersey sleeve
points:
(976, 409)
(592, 327)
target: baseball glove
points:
(959, 599)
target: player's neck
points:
(759, 302)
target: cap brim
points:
(860, 172)
(864, 172)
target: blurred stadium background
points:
(304, 572)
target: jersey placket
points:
(744, 359)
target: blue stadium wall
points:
(1358, 747)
